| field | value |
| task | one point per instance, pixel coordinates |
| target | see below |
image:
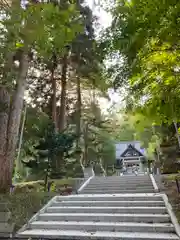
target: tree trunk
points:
(81, 160)
(78, 108)
(62, 111)
(86, 162)
(15, 113)
(46, 176)
(4, 114)
(78, 113)
(157, 164)
(54, 107)
(80, 154)
(18, 160)
(101, 165)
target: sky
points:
(104, 17)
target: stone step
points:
(122, 177)
(104, 187)
(105, 226)
(115, 186)
(119, 187)
(110, 197)
(94, 209)
(106, 217)
(133, 181)
(101, 191)
(121, 183)
(82, 235)
(110, 203)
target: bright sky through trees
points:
(104, 20)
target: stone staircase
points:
(120, 184)
(123, 208)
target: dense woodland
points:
(54, 70)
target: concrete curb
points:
(154, 183)
(85, 184)
(171, 214)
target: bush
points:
(29, 197)
(26, 187)
(38, 186)
(24, 206)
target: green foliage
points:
(123, 129)
(56, 142)
(42, 21)
(38, 30)
(43, 156)
(135, 126)
(144, 40)
(98, 143)
(23, 206)
(44, 33)
(145, 35)
(29, 197)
